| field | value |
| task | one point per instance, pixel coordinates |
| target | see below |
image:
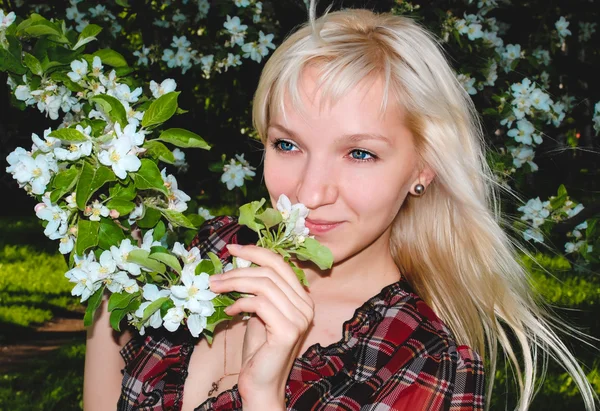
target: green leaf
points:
(109, 234)
(152, 308)
(69, 135)
(149, 177)
(217, 317)
(93, 303)
(111, 58)
(117, 315)
(222, 300)
(161, 109)
(167, 259)
(90, 180)
(122, 192)
(43, 28)
(317, 253)
(88, 34)
(300, 275)
(112, 108)
(159, 231)
(216, 262)
(270, 217)
(66, 178)
(159, 151)
(248, 215)
(205, 266)
(183, 138)
(8, 62)
(64, 182)
(177, 219)
(33, 64)
(140, 257)
(87, 235)
(150, 219)
(124, 207)
(120, 300)
(122, 3)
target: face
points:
(351, 166)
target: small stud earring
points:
(419, 189)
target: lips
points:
(321, 226)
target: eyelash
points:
(276, 146)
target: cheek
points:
(279, 179)
(378, 195)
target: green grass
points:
(52, 382)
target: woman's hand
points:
(284, 312)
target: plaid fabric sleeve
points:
(451, 381)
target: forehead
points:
(362, 107)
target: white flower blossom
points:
(148, 241)
(188, 257)
(6, 19)
(120, 256)
(66, 244)
(561, 26)
(79, 70)
(523, 154)
(46, 145)
(467, 82)
(233, 176)
(142, 56)
(180, 162)
(533, 234)
(118, 158)
(86, 283)
(151, 293)
(167, 86)
(173, 318)
(536, 211)
(236, 29)
(137, 213)
(96, 210)
(177, 198)
(124, 93)
(56, 217)
(76, 150)
(204, 213)
(194, 294)
(34, 171)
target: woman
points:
(364, 122)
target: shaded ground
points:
(23, 344)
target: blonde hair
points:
(449, 243)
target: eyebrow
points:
(353, 138)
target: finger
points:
(267, 258)
(280, 329)
(264, 287)
(258, 272)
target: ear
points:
(425, 177)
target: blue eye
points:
(284, 145)
(361, 155)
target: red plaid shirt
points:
(395, 354)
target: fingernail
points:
(233, 247)
(214, 277)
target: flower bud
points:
(73, 230)
(88, 210)
(114, 214)
(39, 207)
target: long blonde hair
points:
(449, 242)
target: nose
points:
(317, 186)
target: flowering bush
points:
(104, 198)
